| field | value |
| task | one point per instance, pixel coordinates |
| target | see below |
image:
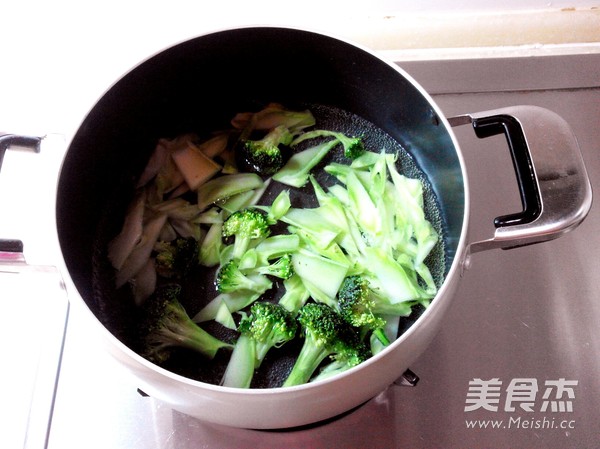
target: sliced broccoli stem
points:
(240, 370)
(295, 172)
(191, 336)
(295, 296)
(276, 246)
(240, 246)
(380, 335)
(218, 189)
(320, 275)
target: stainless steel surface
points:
(523, 318)
(35, 308)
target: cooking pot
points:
(198, 85)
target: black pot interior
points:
(197, 86)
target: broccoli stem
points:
(380, 335)
(189, 335)
(276, 246)
(295, 296)
(240, 369)
(240, 246)
(310, 357)
(218, 189)
(320, 275)
(297, 169)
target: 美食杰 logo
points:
(531, 403)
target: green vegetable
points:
(325, 334)
(282, 268)
(245, 225)
(349, 268)
(211, 246)
(166, 325)
(295, 172)
(268, 326)
(320, 275)
(264, 156)
(276, 246)
(176, 258)
(354, 353)
(230, 278)
(353, 146)
(295, 296)
(223, 187)
(356, 307)
(274, 115)
(222, 307)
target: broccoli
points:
(221, 188)
(281, 268)
(325, 334)
(268, 326)
(245, 225)
(276, 246)
(297, 169)
(176, 258)
(296, 294)
(166, 325)
(356, 307)
(353, 146)
(210, 249)
(264, 156)
(356, 352)
(229, 279)
(274, 115)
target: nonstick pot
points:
(197, 86)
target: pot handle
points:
(9, 140)
(555, 189)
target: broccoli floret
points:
(268, 326)
(353, 146)
(325, 334)
(245, 225)
(356, 351)
(356, 307)
(281, 268)
(264, 156)
(230, 278)
(166, 325)
(176, 258)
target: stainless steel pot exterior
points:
(200, 84)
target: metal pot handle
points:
(7, 140)
(555, 189)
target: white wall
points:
(480, 5)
